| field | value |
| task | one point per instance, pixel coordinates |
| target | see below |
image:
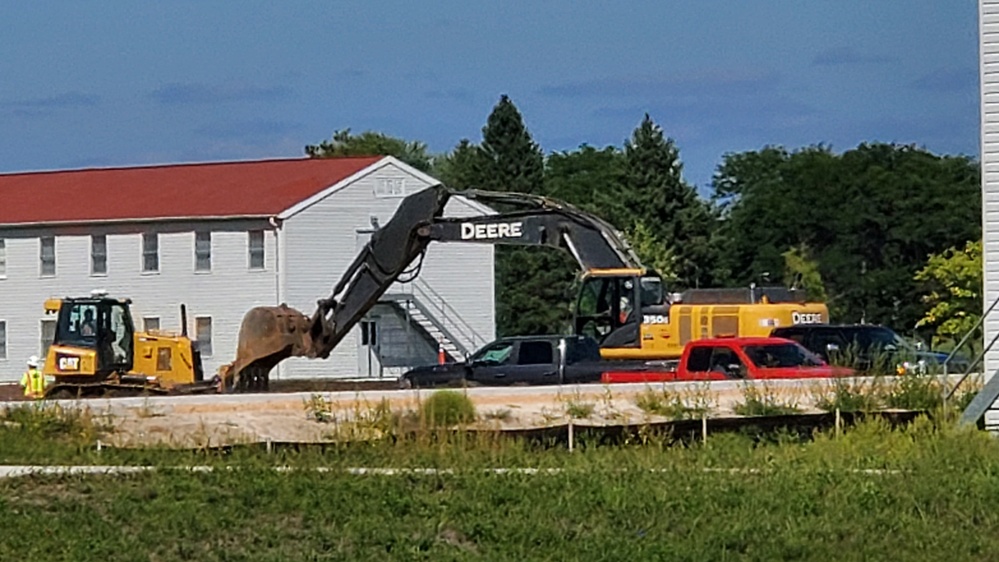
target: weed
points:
(847, 396)
(664, 403)
(579, 410)
(913, 392)
(447, 408)
(501, 414)
(319, 408)
(763, 400)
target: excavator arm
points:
(269, 335)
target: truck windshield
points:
(781, 355)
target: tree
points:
(802, 271)
(592, 180)
(370, 143)
(460, 168)
(952, 282)
(532, 283)
(653, 252)
(869, 216)
(665, 204)
(509, 159)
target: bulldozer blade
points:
(267, 336)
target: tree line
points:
(883, 233)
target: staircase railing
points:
(448, 320)
(949, 394)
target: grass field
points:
(922, 492)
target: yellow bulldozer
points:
(97, 351)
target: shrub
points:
(448, 407)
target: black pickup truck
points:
(525, 360)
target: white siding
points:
(224, 294)
(320, 242)
(989, 75)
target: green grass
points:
(933, 498)
(923, 491)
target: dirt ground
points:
(10, 392)
(346, 409)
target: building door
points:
(368, 338)
(368, 362)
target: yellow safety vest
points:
(33, 382)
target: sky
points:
(116, 83)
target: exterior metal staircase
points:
(978, 410)
(441, 324)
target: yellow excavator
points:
(620, 302)
(97, 351)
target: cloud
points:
(718, 82)
(35, 106)
(948, 80)
(196, 93)
(350, 73)
(727, 117)
(847, 56)
(454, 94)
(251, 128)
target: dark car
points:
(868, 347)
(524, 360)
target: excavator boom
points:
(269, 335)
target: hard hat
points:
(33, 361)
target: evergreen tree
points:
(509, 159)
(532, 283)
(666, 205)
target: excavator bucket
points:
(267, 336)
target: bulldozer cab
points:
(612, 305)
(101, 324)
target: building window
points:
(203, 335)
(48, 335)
(3, 339)
(150, 324)
(3, 258)
(202, 251)
(48, 256)
(256, 244)
(150, 252)
(390, 187)
(99, 255)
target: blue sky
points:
(125, 83)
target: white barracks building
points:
(224, 237)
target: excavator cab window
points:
(606, 304)
(652, 292)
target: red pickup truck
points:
(733, 359)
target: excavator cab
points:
(606, 308)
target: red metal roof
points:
(217, 189)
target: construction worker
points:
(33, 380)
